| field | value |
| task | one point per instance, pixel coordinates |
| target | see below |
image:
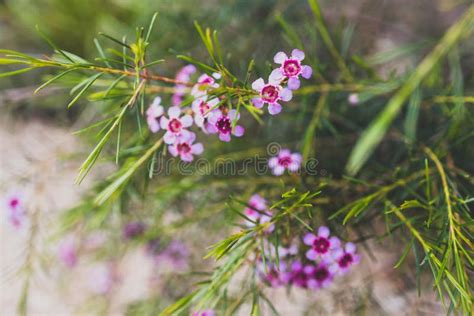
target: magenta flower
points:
(346, 257)
(291, 68)
(208, 312)
(258, 212)
(15, 210)
(221, 123)
(321, 245)
(285, 160)
(153, 114)
(204, 83)
(133, 229)
(175, 125)
(298, 275)
(270, 93)
(175, 255)
(185, 149)
(183, 75)
(67, 251)
(320, 276)
(202, 108)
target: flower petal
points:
(286, 94)
(257, 102)
(258, 84)
(273, 162)
(293, 83)
(187, 120)
(174, 111)
(350, 247)
(187, 157)
(297, 54)
(306, 71)
(173, 150)
(278, 170)
(276, 76)
(274, 108)
(164, 122)
(323, 231)
(197, 149)
(169, 138)
(239, 131)
(224, 137)
(280, 58)
(308, 239)
(311, 254)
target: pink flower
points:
(208, 312)
(153, 114)
(221, 123)
(321, 245)
(353, 99)
(320, 276)
(183, 75)
(15, 210)
(185, 149)
(345, 258)
(270, 93)
(175, 255)
(258, 212)
(67, 251)
(204, 83)
(291, 68)
(102, 279)
(133, 229)
(202, 108)
(175, 125)
(285, 160)
(298, 275)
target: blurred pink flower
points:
(353, 99)
(102, 279)
(15, 211)
(208, 312)
(270, 93)
(346, 257)
(67, 251)
(175, 125)
(221, 123)
(183, 75)
(153, 114)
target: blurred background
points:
(40, 154)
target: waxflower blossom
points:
(185, 149)
(221, 123)
(202, 108)
(176, 255)
(67, 251)
(184, 76)
(258, 212)
(291, 68)
(204, 83)
(319, 276)
(15, 211)
(153, 114)
(175, 125)
(133, 229)
(102, 279)
(321, 244)
(345, 258)
(285, 160)
(270, 93)
(353, 99)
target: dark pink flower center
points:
(346, 260)
(299, 278)
(321, 245)
(14, 203)
(204, 107)
(184, 148)
(291, 67)
(321, 274)
(270, 93)
(175, 126)
(224, 125)
(284, 161)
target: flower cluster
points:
(311, 265)
(281, 81)
(258, 213)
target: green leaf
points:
(374, 134)
(89, 82)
